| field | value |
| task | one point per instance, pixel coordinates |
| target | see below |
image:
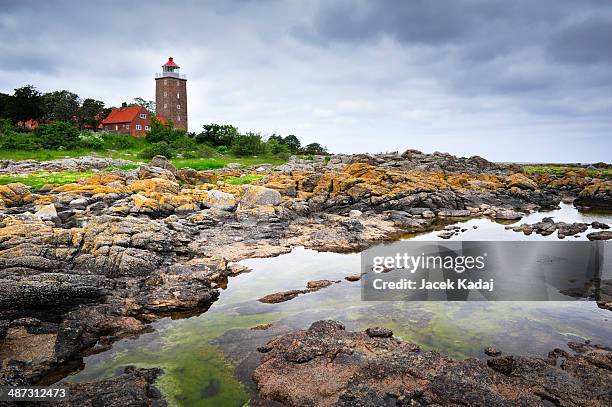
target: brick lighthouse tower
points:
(171, 94)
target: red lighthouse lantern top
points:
(171, 63)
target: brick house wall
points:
(137, 127)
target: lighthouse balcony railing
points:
(170, 75)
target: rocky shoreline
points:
(84, 264)
(326, 365)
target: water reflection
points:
(208, 359)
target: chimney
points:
(123, 105)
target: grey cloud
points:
(585, 42)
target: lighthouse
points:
(171, 94)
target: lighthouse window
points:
(178, 107)
(165, 81)
(165, 105)
(178, 118)
(165, 94)
(178, 96)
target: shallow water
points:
(208, 359)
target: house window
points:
(178, 107)
(147, 128)
(143, 116)
(116, 127)
(127, 126)
(178, 96)
(138, 127)
(165, 94)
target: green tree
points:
(277, 147)
(314, 148)
(217, 135)
(147, 104)
(58, 135)
(26, 104)
(6, 101)
(293, 143)
(61, 105)
(248, 144)
(91, 113)
(276, 137)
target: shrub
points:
(184, 143)
(114, 141)
(91, 140)
(19, 141)
(58, 135)
(205, 151)
(248, 144)
(222, 150)
(161, 148)
(163, 132)
(5, 126)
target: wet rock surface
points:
(84, 264)
(326, 365)
(548, 226)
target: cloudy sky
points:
(509, 80)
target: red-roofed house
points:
(132, 120)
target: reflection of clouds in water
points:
(488, 229)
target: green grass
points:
(245, 179)
(38, 179)
(221, 161)
(560, 170)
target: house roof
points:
(171, 63)
(122, 115)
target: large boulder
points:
(254, 195)
(521, 181)
(219, 200)
(162, 162)
(48, 212)
(150, 171)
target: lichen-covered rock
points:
(15, 194)
(521, 181)
(219, 200)
(254, 195)
(597, 195)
